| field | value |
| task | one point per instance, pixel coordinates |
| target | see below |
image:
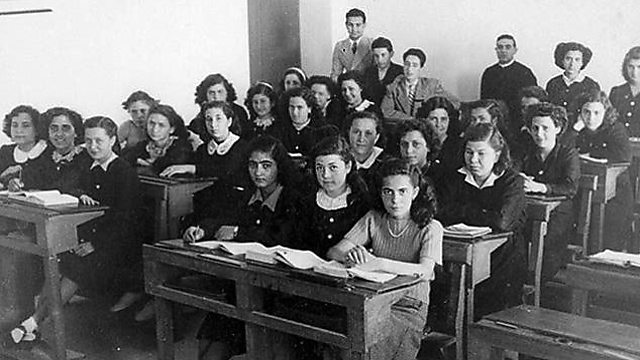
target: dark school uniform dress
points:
(254, 128)
(179, 151)
(115, 264)
(628, 107)
(565, 95)
(11, 155)
(198, 126)
(299, 141)
(369, 168)
(446, 161)
(499, 204)
(560, 172)
(61, 172)
(611, 142)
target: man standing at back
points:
(353, 53)
(503, 81)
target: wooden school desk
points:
(539, 208)
(473, 257)
(368, 305)
(607, 176)
(173, 198)
(55, 233)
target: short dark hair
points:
(365, 115)
(563, 48)
(175, 120)
(338, 145)
(508, 37)
(35, 120)
(415, 52)
(425, 205)
(287, 172)
(441, 102)
(356, 13)
(301, 92)
(429, 135)
(632, 54)
(596, 95)
(139, 96)
(382, 42)
(103, 122)
(261, 88)
(558, 114)
(352, 75)
(534, 91)
(209, 81)
(299, 73)
(323, 80)
(227, 110)
(490, 134)
(74, 118)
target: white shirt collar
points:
(371, 159)
(104, 165)
(578, 79)
(223, 147)
(328, 203)
(507, 64)
(470, 180)
(299, 127)
(271, 201)
(22, 156)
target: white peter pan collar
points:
(22, 156)
(371, 159)
(328, 203)
(471, 181)
(223, 147)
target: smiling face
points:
(217, 92)
(479, 158)
(355, 27)
(23, 132)
(633, 71)
(299, 111)
(412, 67)
(438, 119)
(158, 128)
(413, 148)
(218, 124)
(139, 111)
(362, 137)
(505, 50)
(331, 173)
(261, 105)
(351, 92)
(572, 63)
(98, 143)
(397, 194)
(544, 132)
(263, 171)
(62, 134)
(592, 114)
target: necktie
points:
(412, 98)
(354, 47)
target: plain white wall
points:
(90, 55)
(459, 35)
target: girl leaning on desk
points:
(102, 263)
(403, 238)
(487, 192)
(599, 134)
(25, 128)
(265, 213)
(551, 167)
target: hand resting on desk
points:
(178, 169)
(87, 200)
(193, 234)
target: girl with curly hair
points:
(399, 236)
(261, 101)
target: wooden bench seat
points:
(550, 334)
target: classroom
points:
(287, 179)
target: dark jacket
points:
(628, 107)
(180, 152)
(504, 83)
(375, 87)
(563, 95)
(560, 171)
(198, 126)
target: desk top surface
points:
(146, 179)
(14, 205)
(352, 285)
(572, 327)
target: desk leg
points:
(52, 278)
(161, 219)
(579, 301)
(164, 328)
(597, 230)
(536, 254)
(173, 226)
(460, 312)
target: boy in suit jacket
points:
(353, 53)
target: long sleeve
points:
(388, 106)
(336, 64)
(569, 166)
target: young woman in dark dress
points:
(487, 192)
(327, 105)
(353, 90)
(25, 128)
(625, 98)
(261, 101)
(102, 262)
(265, 213)
(216, 87)
(167, 143)
(418, 143)
(552, 168)
(364, 131)
(602, 136)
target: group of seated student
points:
(390, 157)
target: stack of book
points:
(463, 231)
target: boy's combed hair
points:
(425, 205)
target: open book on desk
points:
(43, 198)
(464, 231)
(616, 258)
(339, 270)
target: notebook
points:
(464, 231)
(45, 198)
